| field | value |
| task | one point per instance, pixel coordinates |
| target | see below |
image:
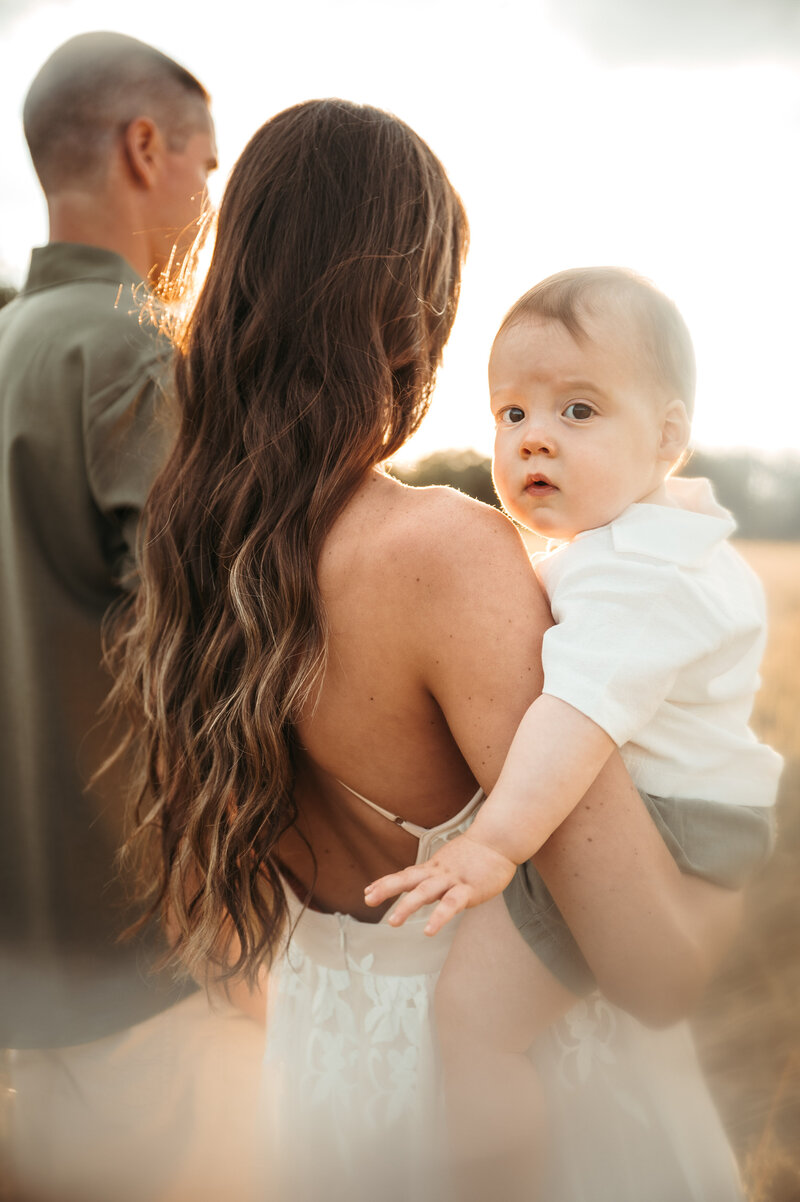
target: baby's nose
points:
(538, 441)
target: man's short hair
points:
(89, 91)
(580, 291)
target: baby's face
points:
(578, 424)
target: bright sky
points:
(665, 137)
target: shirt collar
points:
(685, 532)
(67, 262)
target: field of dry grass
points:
(749, 1027)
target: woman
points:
(326, 669)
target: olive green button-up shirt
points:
(80, 442)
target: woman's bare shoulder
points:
(426, 550)
(446, 523)
(466, 555)
(466, 598)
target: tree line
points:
(762, 492)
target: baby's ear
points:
(675, 431)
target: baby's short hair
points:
(666, 340)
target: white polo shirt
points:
(659, 637)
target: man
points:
(122, 141)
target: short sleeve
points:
(126, 429)
(626, 625)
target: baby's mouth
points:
(539, 485)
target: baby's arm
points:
(533, 795)
(537, 789)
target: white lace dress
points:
(351, 1087)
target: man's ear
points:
(675, 431)
(144, 147)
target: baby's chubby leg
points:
(493, 998)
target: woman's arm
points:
(651, 935)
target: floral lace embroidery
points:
(585, 1037)
(361, 1066)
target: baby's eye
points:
(579, 411)
(512, 415)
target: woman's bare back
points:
(419, 586)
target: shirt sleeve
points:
(626, 625)
(126, 429)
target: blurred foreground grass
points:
(748, 1030)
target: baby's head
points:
(592, 388)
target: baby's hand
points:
(461, 874)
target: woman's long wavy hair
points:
(309, 359)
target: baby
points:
(656, 648)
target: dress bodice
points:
(336, 940)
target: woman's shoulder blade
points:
(440, 520)
(451, 556)
(430, 554)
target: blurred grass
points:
(748, 1029)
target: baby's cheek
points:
(501, 480)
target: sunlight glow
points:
(688, 174)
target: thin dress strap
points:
(419, 832)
